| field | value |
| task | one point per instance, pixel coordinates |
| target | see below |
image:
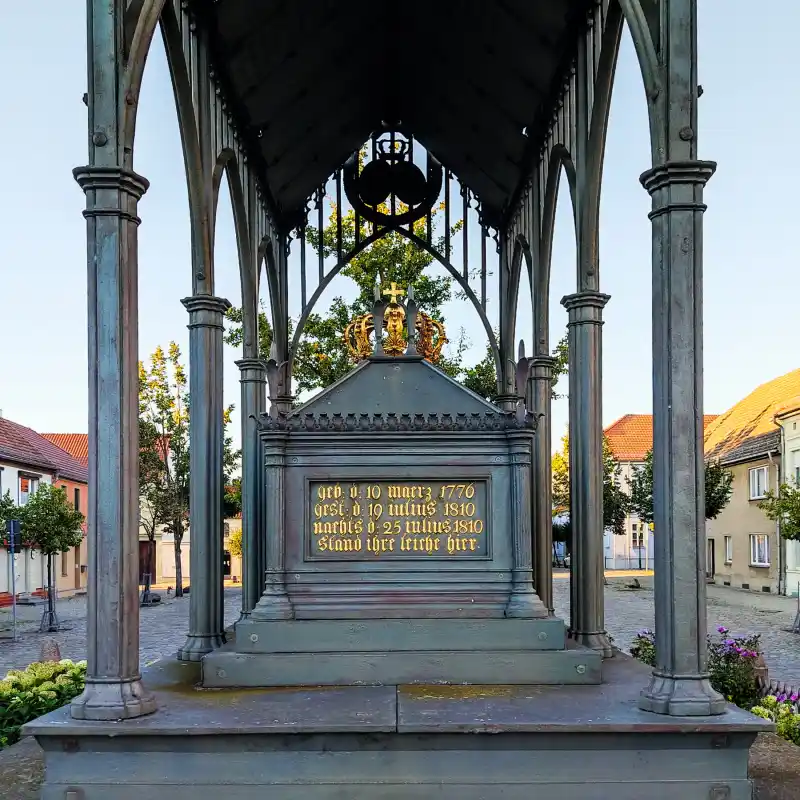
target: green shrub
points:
(732, 663)
(40, 688)
(783, 713)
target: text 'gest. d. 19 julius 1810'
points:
(398, 519)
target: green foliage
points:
(784, 507)
(235, 543)
(615, 500)
(732, 663)
(783, 712)
(718, 488)
(50, 523)
(164, 410)
(644, 647)
(38, 689)
(232, 499)
(8, 511)
(561, 367)
(322, 357)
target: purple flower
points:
(781, 698)
(794, 697)
(721, 629)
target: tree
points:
(615, 500)
(784, 507)
(51, 525)
(322, 356)
(164, 409)
(8, 511)
(235, 543)
(718, 488)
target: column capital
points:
(252, 370)
(205, 310)
(585, 306)
(677, 172)
(92, 178)
(542, 368)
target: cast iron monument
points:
(478, 110)
(397, 508)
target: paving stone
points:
(162, 630)
(742, 613)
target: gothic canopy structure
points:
(505, 97)
(475, 82)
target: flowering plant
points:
(781, 710)
(40, 688)
(732, 663)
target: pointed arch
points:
(226, 164)
(423, 245)
(201, 224)
(140, 20)
(646, 46)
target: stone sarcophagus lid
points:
(397, 534)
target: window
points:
(758, 483)
(728, 549)
(64, 565)
(759, 550)
(27, 487)
(77, 499)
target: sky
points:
(749, 113)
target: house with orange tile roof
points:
(76, 444)
(630, 438)
(744, 548)
(28, 459)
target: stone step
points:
(229, 669)
(375, 635)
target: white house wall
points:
(790, 465)
(31, 568)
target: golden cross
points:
(394, 292)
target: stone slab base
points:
(400, 767)
(375, 635)
(229, 669)
(399, 743)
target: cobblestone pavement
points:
(162, 629)
(741, 612)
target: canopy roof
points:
(476, 82)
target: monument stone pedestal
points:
(398, 507)
(399, 651)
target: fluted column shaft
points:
(587, 625)
(680, 684)
(274, 603)
(253, 381)
(113, 681)
(542, 494)
(206, 612)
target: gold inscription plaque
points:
(362, 520)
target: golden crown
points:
(429, 340)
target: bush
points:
(782, 711)
(38, 689)
(732, 663)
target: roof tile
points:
(26, 447)
(631, 436)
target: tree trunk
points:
(178, 538)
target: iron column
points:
(253, 380)
(680, 684)
(113, 682)
(541, 402)
(586, 468)
(206, 613)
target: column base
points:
(110, 701)
(594, 640)
(526, 605)
(682, 696)
(200, 645)
(274, 604)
